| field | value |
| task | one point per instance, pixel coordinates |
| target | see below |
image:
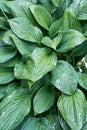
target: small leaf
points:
(64, 77)
(14, 108)
(82, 77)
(41, 15)
(73, 109)
(70, 40)
(55, 27)
(7, 38)
(24, 30)
(43, 99)
(6, 53)
(41, 62)
(51, 43)
(6, 75)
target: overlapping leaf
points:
(41, 15)
(70, 40)
(6, 53)
(24, 30)
(14, 108)
(64, 77)
(41, 62)
(41, 102)
(6, 75)
(73, 109)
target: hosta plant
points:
(43, 64)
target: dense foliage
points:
(43, 64)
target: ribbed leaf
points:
(41, 15)
(82, 80)
(64, 78)
(70, 21)
(24, 30)
(55, 27)
(20, 8)
(14, 108)
(79, 7)
(41, 62)
(7, 53)
(47, 123)
(51, 43)
(7, 38)
(6, 75)
(41, 102)
(23, 46)
(73, 109)
(70, 40)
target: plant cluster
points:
(43, 64)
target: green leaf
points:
(41, 102)
(6, 75)
(70, 21)
(41, 15)
(56, 2)
(23, 46)
(79, 7)
(12, 62)
(48, 123)
(70, 40)
(3, 23)
(34, 124)
(64, 77)
(55, 27)
(6, 53)
(7, 38)
(62, 122)
(24, 30)
(51, 43)
(41, 62)
(73, 109)
(80, 49)
(20, 9)
(14, 108)
(82, 77)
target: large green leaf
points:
(6, 53)
(20, 8)
(23, 46)
(24, 30)
(70, 40)
(41, 15)
(6, 75)
(82, 77)
(41, 102)
(14, 108)
(64, 77)
(73, 109)
(79, 7)
(41, 62)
